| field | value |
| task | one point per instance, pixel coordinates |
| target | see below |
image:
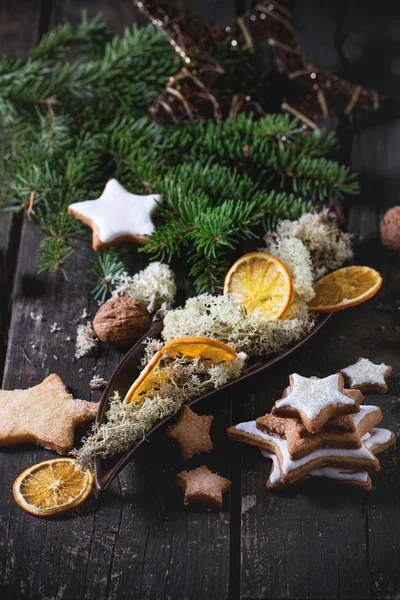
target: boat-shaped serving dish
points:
(127, 371)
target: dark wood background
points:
(138, 540)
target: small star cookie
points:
(117, 216)
(45, 414)
(367, 376)
(315, 401)
(202, 486)
(191, 432)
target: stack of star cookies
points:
(320, 429)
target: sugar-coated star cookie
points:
(315, 401)
(202, 486)
(45, 414)
(117, 216)
(191, 432)
(367, 376)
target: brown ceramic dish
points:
(126, 372)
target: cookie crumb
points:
(36, 316)
(97, 383)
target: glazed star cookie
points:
(301, 442)
(357, 459)
(355, 478)
(117, 216)
(343, 423)
(367, 376)
(202, 486)
(191, 432)
(315, 401)
(45, 414)
(378, 440)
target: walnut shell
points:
(121, 322)
(390, 228)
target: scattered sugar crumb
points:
(97, 383)
(84, 314)
(55, 357)
(68, 338)
(55, 327)
(36, 316)
(86, 340)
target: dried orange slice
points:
(345, 288)
(260, 283)
(52, 486)
(151, 377)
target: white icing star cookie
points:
(366, 376)
(315, 401)
(354, 459)
(117, 216)
(357, 478)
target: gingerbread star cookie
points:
(202, 486)
(191, 432)
(351, 459)
(301, 442)
(45, 414)
(367, 376)
(315, 401)
(117, 216)
(356, 478)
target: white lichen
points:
(152, 346)
(155, 286)
(329, 247)
(216, 317)
(179, 380)
(86, 340)
(295, 256)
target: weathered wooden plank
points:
(19, 30)
(139, 536)
(322, 540)
(19, 26)
(5, 258)
(317, 541)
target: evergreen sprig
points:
(73, 114)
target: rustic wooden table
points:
(138, 540)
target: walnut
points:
(390, 228)
(121, 322)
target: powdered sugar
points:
(310, 396)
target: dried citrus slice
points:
(260, 283)
(345, 288)
(151, 377)
(52, 486)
